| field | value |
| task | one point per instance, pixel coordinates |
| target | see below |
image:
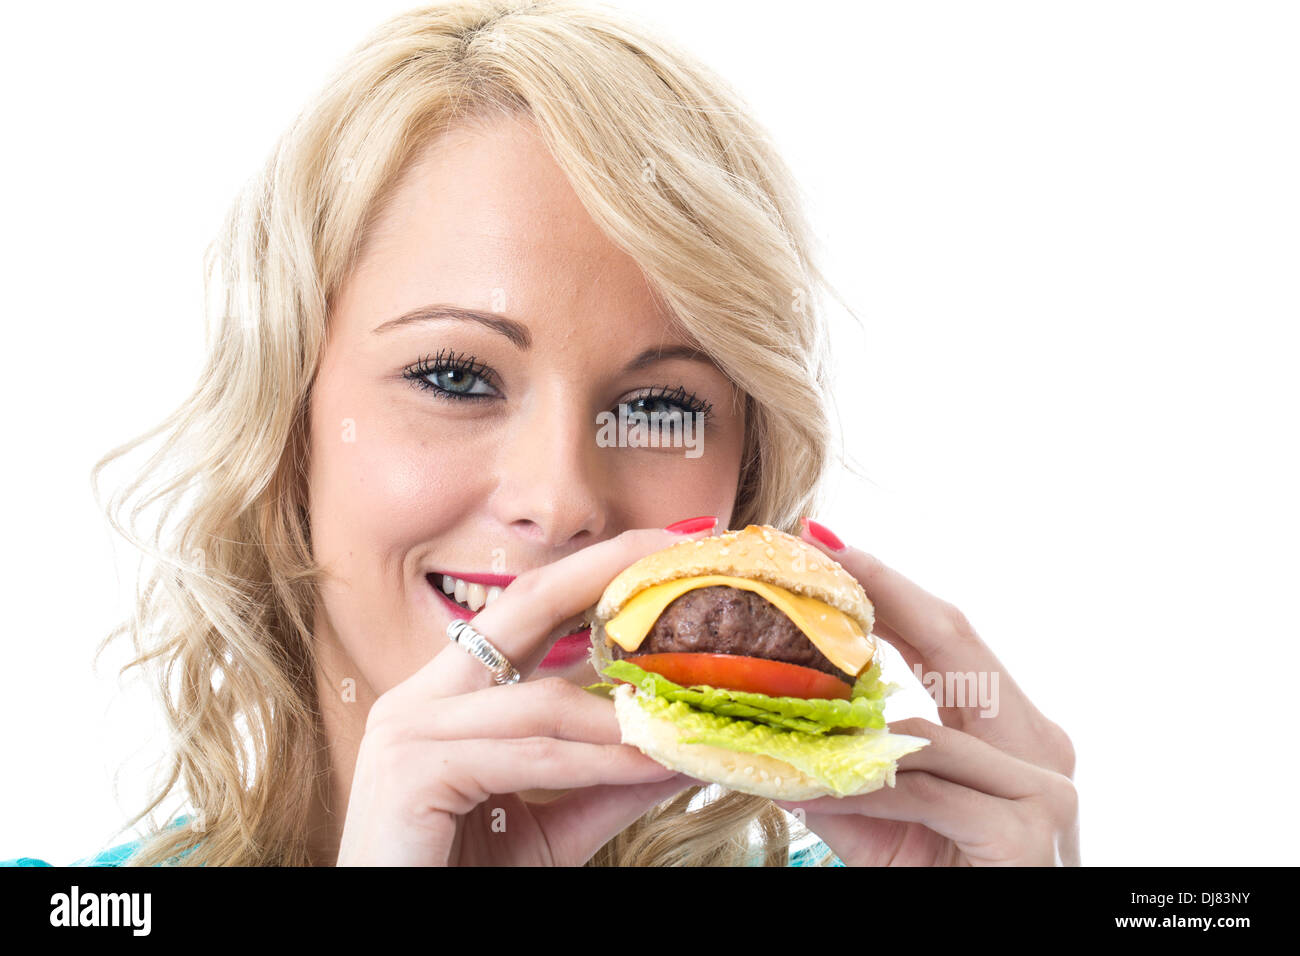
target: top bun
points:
(759, 553)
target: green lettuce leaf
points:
(810, 716)
(846, 763)
(870, 686)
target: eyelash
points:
(676, 396)
(448, 361)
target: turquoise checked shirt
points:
(114, 856)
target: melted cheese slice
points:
(832, 631)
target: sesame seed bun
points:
(759, 553)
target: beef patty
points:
(726, 620)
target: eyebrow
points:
(512, 329)
(518, 333)
(651, 356)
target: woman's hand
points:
(446, 752)
(988, 790)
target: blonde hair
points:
(667, 161)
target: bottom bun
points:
(759, 774)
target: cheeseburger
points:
(747, 660)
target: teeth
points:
(475, 595)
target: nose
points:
(548, 489)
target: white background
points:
(1070, 231)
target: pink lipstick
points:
(487, 580)
(567, 651)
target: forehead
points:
(485, 218)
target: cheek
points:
(660, 487)
(382, 489)
(382, 482)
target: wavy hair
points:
(669, 163)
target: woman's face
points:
(456, 427)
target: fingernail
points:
(692, 525)
(823, 534)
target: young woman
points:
(497, 222)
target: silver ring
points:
(503, 672)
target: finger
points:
(965, 759)
(911, 656)
(464, 773)
(968, 817)
(972, 700)
(552, 707)
(580, 823)
(525, 619)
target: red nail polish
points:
(692, 525)
(823, 534)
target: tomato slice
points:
(754, 674)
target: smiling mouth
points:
(468, 595)
(464, 599)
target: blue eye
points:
(451, 376)
(458, 381)
(671, 403)
(655, 406)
